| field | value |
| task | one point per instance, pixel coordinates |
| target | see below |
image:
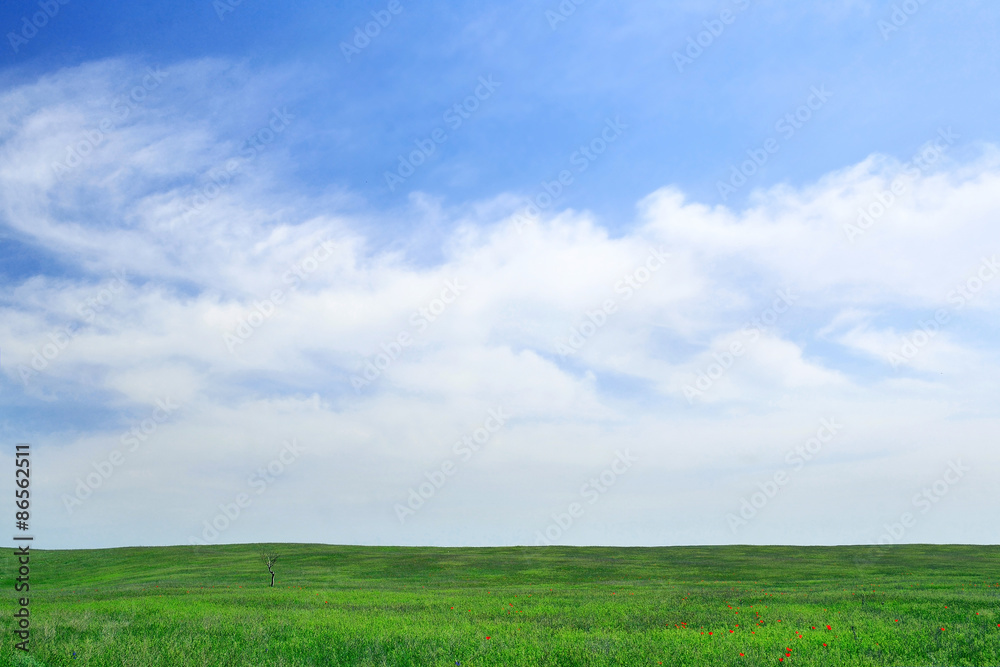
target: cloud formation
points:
(707, 341)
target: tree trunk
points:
(272, 580)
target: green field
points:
(560, 606)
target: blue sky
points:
(229, 152)
(606, 59)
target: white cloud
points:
(192, 281)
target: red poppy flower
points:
(829, 628)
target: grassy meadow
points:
(558, 606)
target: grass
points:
(559, 606)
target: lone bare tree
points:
(269, 558)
